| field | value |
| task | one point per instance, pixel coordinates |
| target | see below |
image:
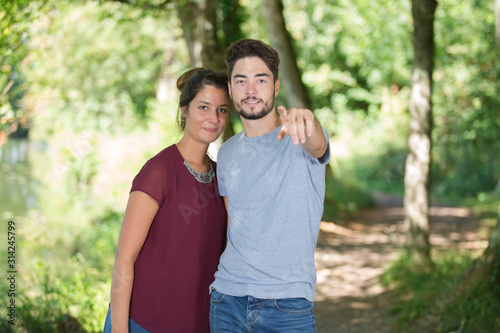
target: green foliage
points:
(369, 150)
(15, 18)
(349, 50)
(99, 74)
(233, 15)
(355, 61)
(70, 284)
(437, 300)
(93, 82)
(343, 196)
(53, 300)
(466, 114)
(89, 89)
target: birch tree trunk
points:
(417, 174)
(296, 93)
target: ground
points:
(352, 252)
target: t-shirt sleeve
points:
(152, 180)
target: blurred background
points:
(87, 95)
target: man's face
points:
(252, 88)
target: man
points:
(272, 178)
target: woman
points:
(174, 226)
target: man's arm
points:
(303, 128)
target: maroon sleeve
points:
(152, 180)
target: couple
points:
(271, 180)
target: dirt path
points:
(352, 253)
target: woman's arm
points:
(140, 212)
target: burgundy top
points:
(177, 262)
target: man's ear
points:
(276, 87)
(229, 89)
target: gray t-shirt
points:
(275, 194)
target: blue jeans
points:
(133, 327)
(249, 314)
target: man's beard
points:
(266, 109)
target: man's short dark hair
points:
(244, 48)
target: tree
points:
(232, 17)
(199, 23)
(486, 269)
(296, 93)
(199, 20)
(417, 173)
(15, 18)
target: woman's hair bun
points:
(181, 81)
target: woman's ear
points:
(183, 112)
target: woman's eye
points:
(203, 107)
(223, 110)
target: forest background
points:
(87, 95)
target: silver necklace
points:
(202, 177)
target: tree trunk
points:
(295, 90)
(417, 175)
(296, 93)
(232, 16)
(199, 25)
(486, 269)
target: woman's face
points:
(207, 114)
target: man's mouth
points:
(251, 101)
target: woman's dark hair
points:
(244, 48)
(191, 82)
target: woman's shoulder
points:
(156, 174)
(167, 156)
(162, 162)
